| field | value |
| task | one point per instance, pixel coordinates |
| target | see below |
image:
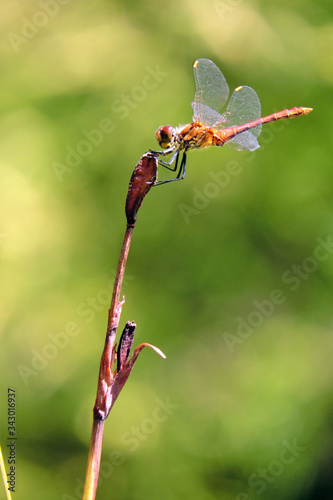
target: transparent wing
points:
(206, 115)
(244, 107)
(245, 140)
(211, 90)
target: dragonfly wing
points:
(206, 115)
(245, 140)
(211, 88)
(243, 107)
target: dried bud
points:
(125, 344)
(143, 178)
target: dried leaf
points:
(122, 376)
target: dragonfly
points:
(238, 127)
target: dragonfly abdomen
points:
(230, 132)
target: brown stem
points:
(143, 178)
(102, 403)
(119, 275)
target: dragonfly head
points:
(165, 136)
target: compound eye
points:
(165, 135)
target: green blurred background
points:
(232, 280)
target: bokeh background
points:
(232, 279)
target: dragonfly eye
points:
(165, 136)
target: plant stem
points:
(143, 178)
(105, 375)
(94, 460)
(120, 273)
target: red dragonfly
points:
(238, 127)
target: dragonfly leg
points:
(167, 164)
(182, 168)
(181, 172)
(166, 152)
